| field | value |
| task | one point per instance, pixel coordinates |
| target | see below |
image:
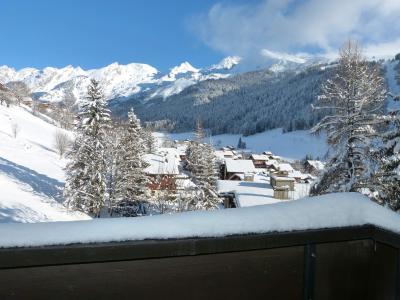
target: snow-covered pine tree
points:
(149, 140)
(387, 178)
(131, 182)
(241, 144)
(113, 157)
(206, 178)
(200, 159)
(199, 134)
(352, 97)
(193, 150)
(85, 187)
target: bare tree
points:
(19, 89)
(354, 98)
(6, 96)
(61, 142)
(14, 129)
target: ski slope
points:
(31, 172)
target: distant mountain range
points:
(118, 81)
(135, 79)
(227, 97)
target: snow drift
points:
(329, 211)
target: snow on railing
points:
(328, 211)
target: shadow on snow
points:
(40, 184)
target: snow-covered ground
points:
(328, 211)
(291, 145)
(31, 172)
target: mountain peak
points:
(184, 67)
(227, 63)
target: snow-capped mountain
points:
(133, 80)
(118, 81)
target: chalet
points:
(235, 169)
(272, 165)
(162, 171)
(27, 101)
(268, 154)
(182, 152)
(314, 166)
(225, 153)
(259, 160)
(285, 168)
(301, 177)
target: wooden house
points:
(162, 171)
(259, 160)
(241, 168)
(272, 165)
(314, 166)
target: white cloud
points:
(297, 58)
(289, 26)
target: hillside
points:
(247, 103)
(31, 172)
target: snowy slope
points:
(31, 173)
(291, 145)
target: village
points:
(244, 178)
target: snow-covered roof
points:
(298, 174)
(168, 151)
(184, 183)
(282, 178)
(272, 162)
(181, 149)
(162, 164)
(316, 164)
(224, 153)
(239, 166)
(259, 157)
(284, 167)
(328, 211)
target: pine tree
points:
(199, 134)
(131, 190)
(85, 188)
(202, 165)
(387, 178)
(114, 141)
(353, 98)
(149, 140)
(206, 178)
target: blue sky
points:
(164, 33)
(94, 33)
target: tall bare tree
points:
(352, 98)
(61, 142)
